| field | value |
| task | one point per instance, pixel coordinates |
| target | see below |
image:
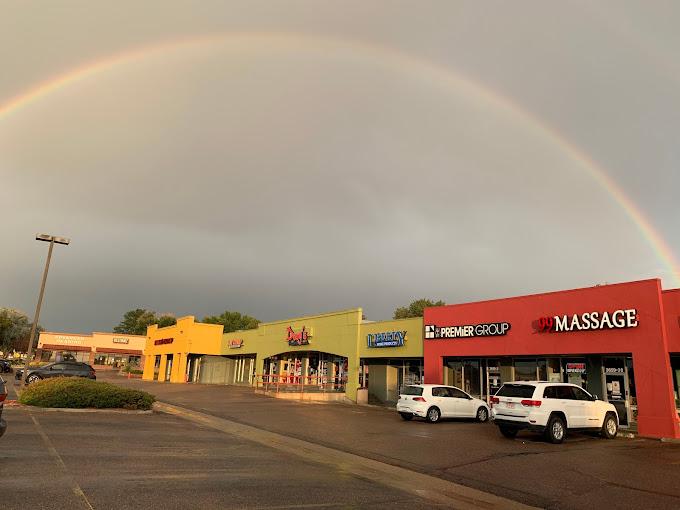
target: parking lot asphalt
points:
(66, 460)
(584, 471)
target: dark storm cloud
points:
(287, 181)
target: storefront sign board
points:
(388, 339)
(433, 332)
(588, 321)
(300, 338)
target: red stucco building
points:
(620, 342)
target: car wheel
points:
(610, 427)
(482, 414)
(556, 430)
(433, 415)
(406, 416)
(33, 378)
(508, 432)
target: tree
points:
(232, 321)
(136, 321)
(15, 330)
(415, 309)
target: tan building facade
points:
(101, 350)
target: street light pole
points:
(52, 240)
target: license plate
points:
(510, 405)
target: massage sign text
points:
(588, 321)
(299, 338)
(433, 332)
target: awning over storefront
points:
(110, 350)
(72, 348)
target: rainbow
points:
(267, 41)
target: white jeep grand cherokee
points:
(552, 409)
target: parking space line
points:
(55, 455)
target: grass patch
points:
(76, 392)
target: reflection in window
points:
(525, 370)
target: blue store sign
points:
(389, 339)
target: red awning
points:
(55, 347)
(111, 350)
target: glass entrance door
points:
(616, 394)
(168, 368)
(616, 387)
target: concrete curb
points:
(431, 488)
(23, 407)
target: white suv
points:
(436, 401)
(552, 409)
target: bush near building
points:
(132, 369)
(75, 392)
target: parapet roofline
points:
(116, 334)
(192, 317)
(299, 319)
(64, 334)
(551, 293)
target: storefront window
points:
(316, 370)
(453, 373)
(471, 377)
(506, 370)
(414, 371)
(82, 356)
(525, 370)
(575, 371)
(553, 370)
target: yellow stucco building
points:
(332, 355)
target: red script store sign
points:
(588, 321)
(301, 338)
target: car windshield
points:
(516, 390)
(412, 390)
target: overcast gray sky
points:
(288, 158)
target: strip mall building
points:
(327, 356)
(103, 350)
(620, 342)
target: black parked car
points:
(5, 366)
(3, 396)
(58, 369)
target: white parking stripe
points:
(55, 455)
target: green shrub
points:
(132, 369)
(76, 392)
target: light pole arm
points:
(36, 317)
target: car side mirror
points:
(595, 397)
